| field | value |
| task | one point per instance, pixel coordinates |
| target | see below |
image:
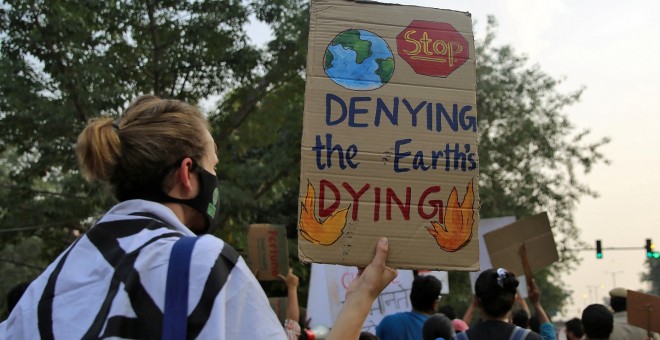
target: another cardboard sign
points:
(389, 145)
(486, 226)
(535, 232)
(643, 310)
(268, 253)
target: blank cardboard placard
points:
(389, 142)
(643, 310)
(535, 232)
(486, 226)
(268, 253)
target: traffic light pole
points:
(606, 248)
(649, 247)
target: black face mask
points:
(206, 201)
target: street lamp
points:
(614, 276)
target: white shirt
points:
(82, 293)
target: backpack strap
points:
(175, 315)
(519, 333)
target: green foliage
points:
(529, 152)
(259, 149)
(21, 263)
(652, 277)
(63, 63)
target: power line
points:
(604, 248)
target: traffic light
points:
(599, 249)
(650, 250)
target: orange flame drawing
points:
(457, 231)
(312, 229)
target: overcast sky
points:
(610, 48)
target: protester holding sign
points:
(546, 329)
(622, 329)
(291, 324)
(159, 160)
(495, 291)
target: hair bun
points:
(510, 282)
(99, 149)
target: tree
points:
(63, 63)
(652, 277)
(260, 155)
(529, 155)
(19, 263)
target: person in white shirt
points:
(159, 161)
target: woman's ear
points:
(184, 175)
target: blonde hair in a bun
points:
(98, 149)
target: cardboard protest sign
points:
(534, 231)
(327, 289)
(486, 226)
(643, 310)
(389, 144)
(268, 253)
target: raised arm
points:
(467, 317)
(547, 330)
(535, 298)
(292, 308)
(523, 304)
(361, 294)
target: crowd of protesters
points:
(504, 314)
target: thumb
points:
(382, 248)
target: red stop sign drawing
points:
(432, 48)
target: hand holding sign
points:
(361, 294)
(291, 280)
(527, 269)
(371, 280)
(533, 291)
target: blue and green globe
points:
(359, 60)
